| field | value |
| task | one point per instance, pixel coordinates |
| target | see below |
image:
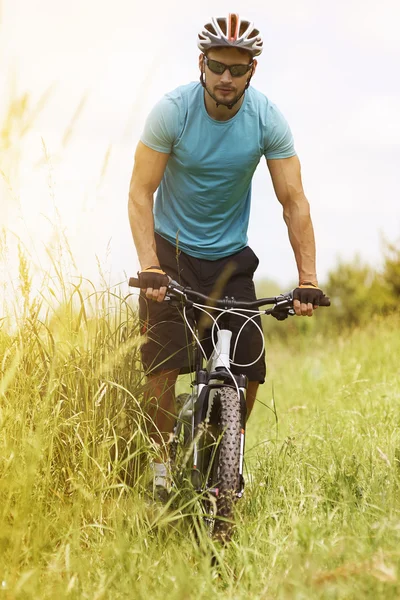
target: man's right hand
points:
(153, 282)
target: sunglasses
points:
(218, 67)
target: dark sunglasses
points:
(218, 67)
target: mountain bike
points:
(207, 447)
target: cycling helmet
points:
(231, 31)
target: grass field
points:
(320, 517)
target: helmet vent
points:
(243, 26)
(210, 28)
(254, 33)
(222, 24)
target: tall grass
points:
(70, 419)
(320, 517)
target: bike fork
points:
(241, 457)
(242, 440)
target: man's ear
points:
(201, 63)
(254, 67)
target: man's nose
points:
(226, 76)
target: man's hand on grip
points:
(153, 282)
(306, 297)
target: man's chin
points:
(225, 99)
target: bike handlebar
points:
(283, 301)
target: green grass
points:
(320, 517)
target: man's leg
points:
(166, 351)
(160, 407)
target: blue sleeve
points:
(278, 141)
(161, 129)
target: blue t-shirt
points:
(203, 201)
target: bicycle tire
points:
(225, 471)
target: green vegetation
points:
(321, 514)
(320, 517)
(359, 294)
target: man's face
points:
(225, 87)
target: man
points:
(200, 147)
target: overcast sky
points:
(332, 69)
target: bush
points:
(358, 293)
(391, 268)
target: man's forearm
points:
(297, 217)
(140, 210)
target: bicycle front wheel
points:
(226, 477)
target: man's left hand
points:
(306, 298)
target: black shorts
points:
(169, 343)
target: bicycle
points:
(208, 441)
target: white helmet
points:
(231, 31)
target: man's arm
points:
(286, 179)
(148, 171)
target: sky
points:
(331, 68)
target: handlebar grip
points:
(325, 301)
(134, 282)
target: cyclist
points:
(200, 147)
